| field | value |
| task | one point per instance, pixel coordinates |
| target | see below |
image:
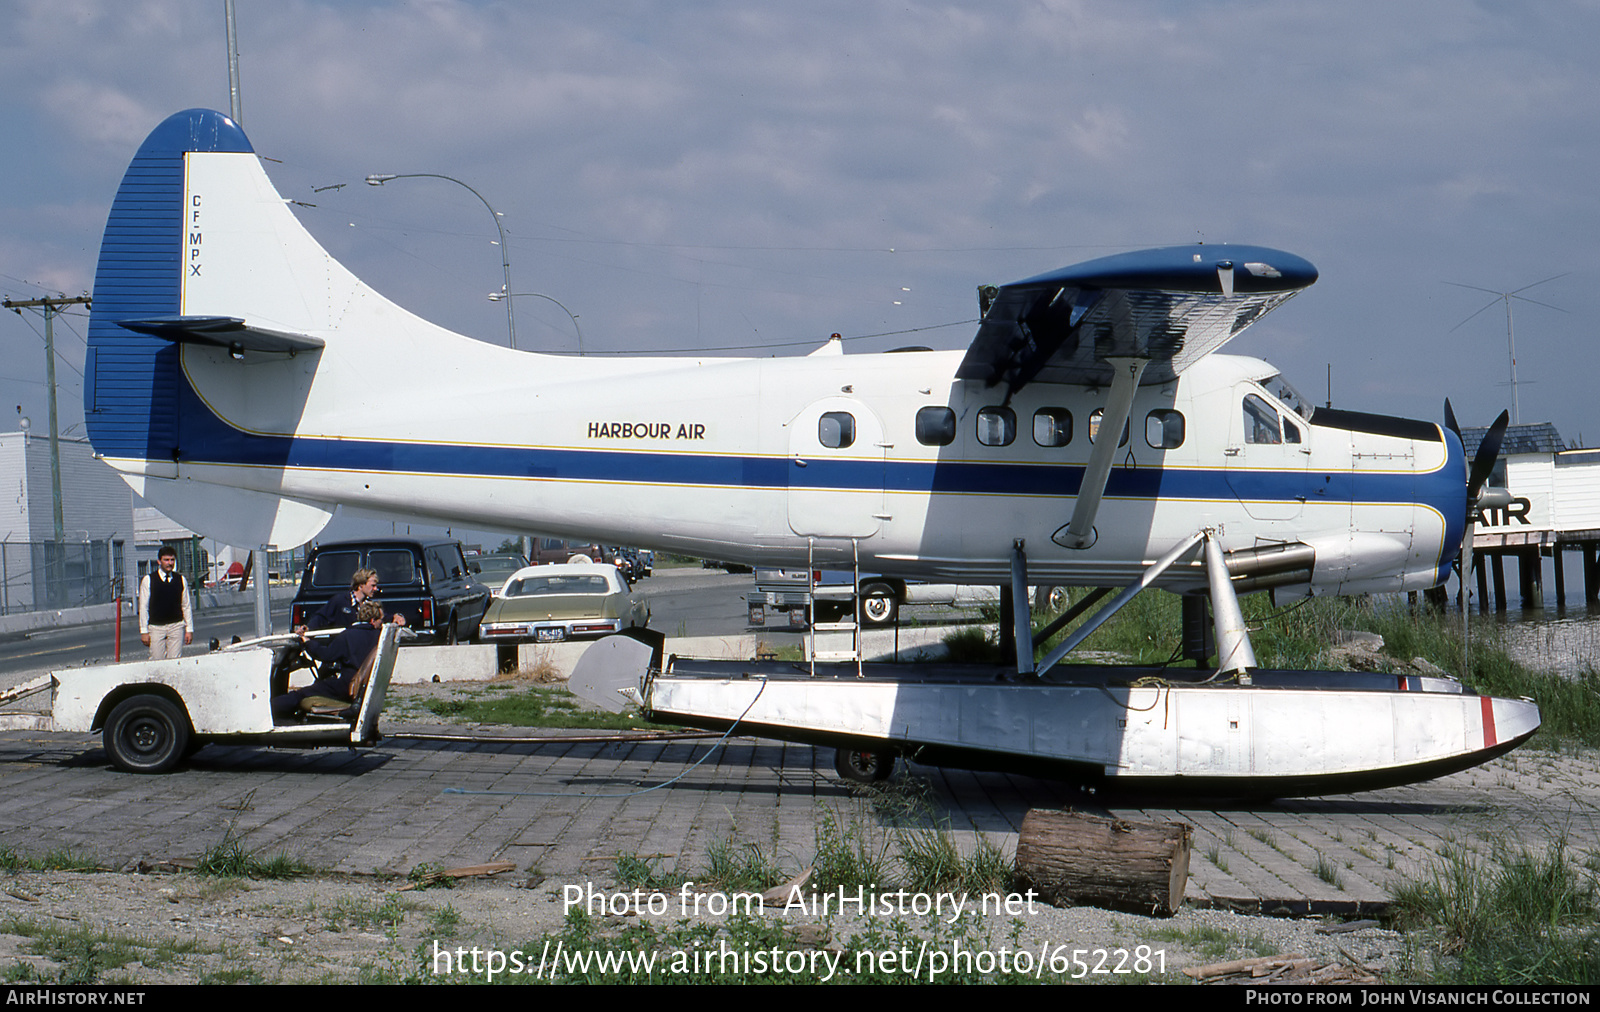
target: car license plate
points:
(549, 635)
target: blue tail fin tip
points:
(196, 130)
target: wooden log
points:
(1072, 858)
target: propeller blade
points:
(1488, 453)
(1450, 419)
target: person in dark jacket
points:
(340, 611)
(341, 658)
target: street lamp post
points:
(378, 179)
(497, 296)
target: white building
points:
(96, 561)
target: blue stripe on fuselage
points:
(207, 439)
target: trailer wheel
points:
(146, 734)
(862, 766)
(452, 635)
(879, 605)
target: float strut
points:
(1021, 608)
(1234, 655)
(1094, 621)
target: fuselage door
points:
(1266, 456)
(836, 466)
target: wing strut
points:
(1079, 532)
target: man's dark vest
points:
(166, 600)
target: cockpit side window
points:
(1260, 421)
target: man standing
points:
(166, 622)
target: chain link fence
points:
(44, 575)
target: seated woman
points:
(342, 660)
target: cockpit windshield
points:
(1287, 395)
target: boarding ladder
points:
(833, 641)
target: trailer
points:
(154, 714)
(1283, 733)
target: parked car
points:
(425, 581)
(550, 604)
(546, 550)
(785, 594)
(629, 563)
(494, 570)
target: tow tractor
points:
(154, 714)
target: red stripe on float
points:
(1489, 737)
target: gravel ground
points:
(171, 928)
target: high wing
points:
(1172, 306)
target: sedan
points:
(551, 604)
(493, 570)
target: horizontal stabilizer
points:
(235, 516)
(223, 332)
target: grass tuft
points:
(1512, 918)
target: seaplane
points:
(1092, 435)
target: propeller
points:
(1477, 498)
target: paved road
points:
(72, 646)
(568, 810)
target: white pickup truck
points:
(154, 714)
(787, 593)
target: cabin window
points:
(1291, 431)
(836, 429)
(1094, 427)
(1163, 429)
(1052, 426)
(936, 426)
(997, 426)
(1260, 421)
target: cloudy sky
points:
(753, 176)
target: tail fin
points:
(200, 250)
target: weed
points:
(1264, 836)
(366, 916)
(931, 860)
(230, 859)
(533, 706)
(741, 866)
(972, 646)
(83, 955)
(1328, 872)
(637, 872)
(445, 920)
(1204, 939)
(1215, 856)
(849, 854)
(1514, 918)
(55, 860)
(233, 975)
(427, 875)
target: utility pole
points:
(50, 307)
(258, 553)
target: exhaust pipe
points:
(1271, 565)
